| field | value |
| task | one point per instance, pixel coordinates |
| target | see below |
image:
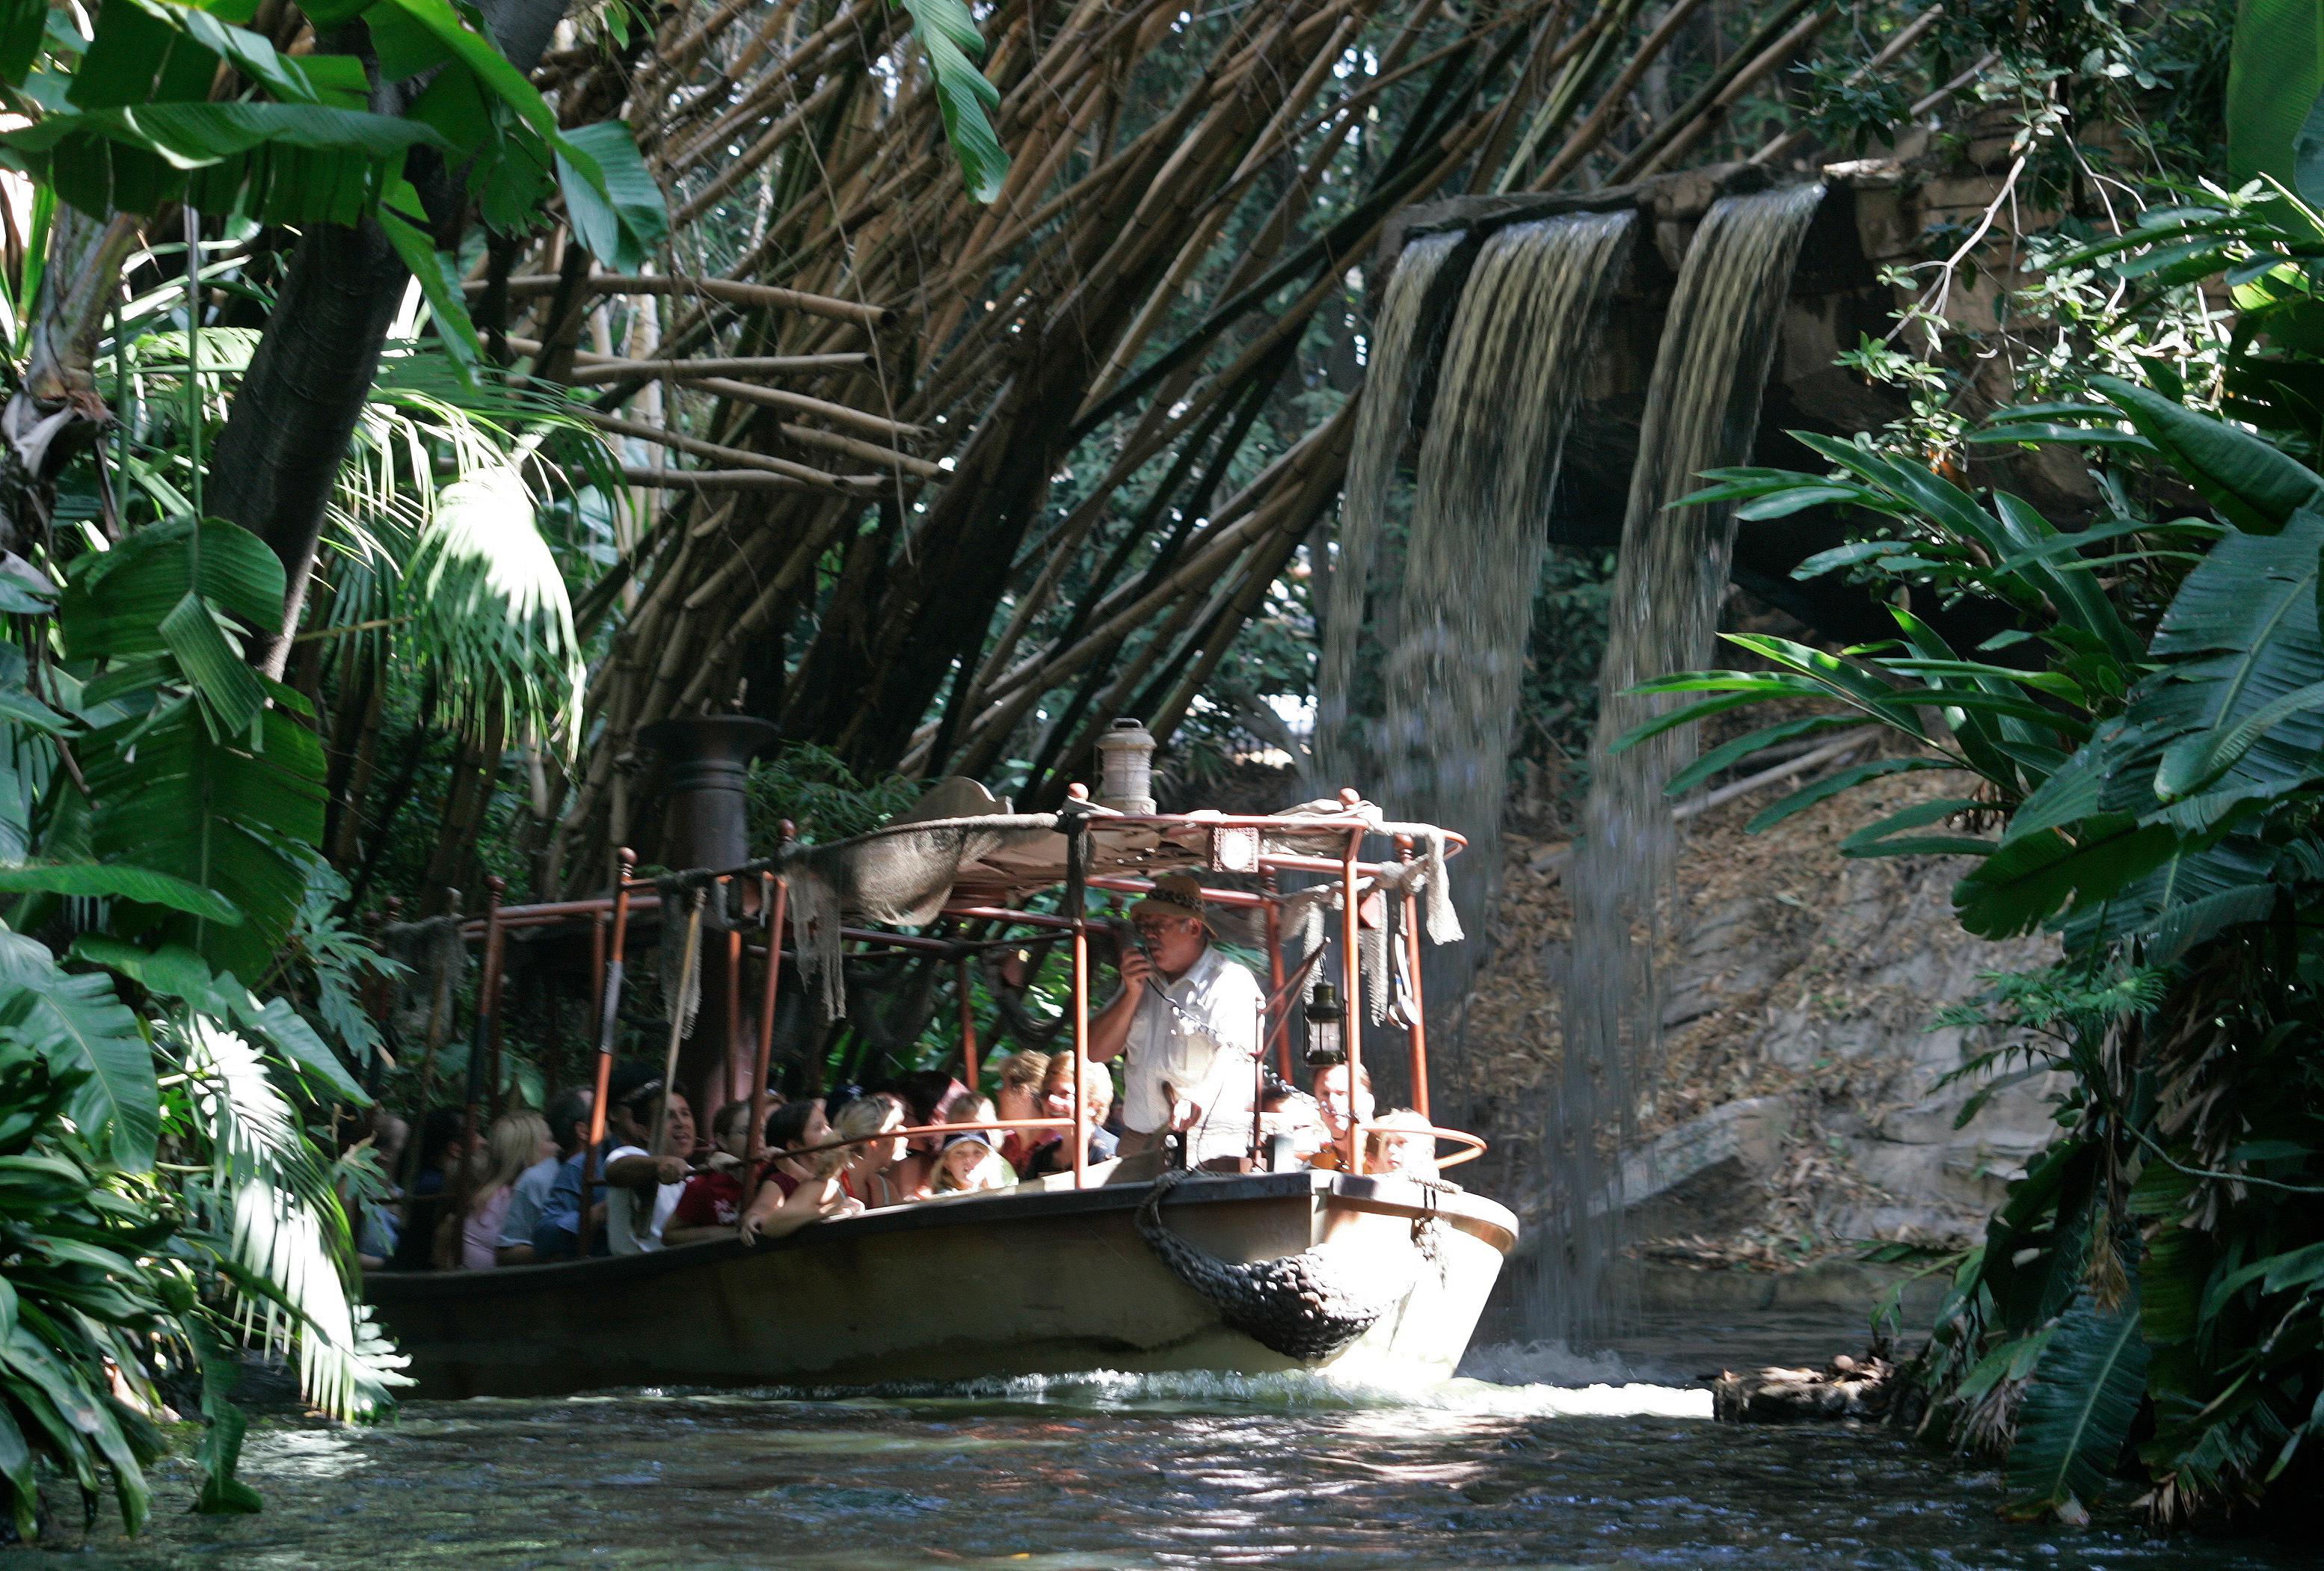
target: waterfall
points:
(1347, 678)
(1513, 366)
(1703, 413)
(1424, 642)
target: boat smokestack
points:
(705, 823)
(707, 760)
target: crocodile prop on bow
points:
(1307, 1306)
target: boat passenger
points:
(1019, 1097)
(568, 1124)
(933, 1097)
(641, 1184)
(1289, 1112)
(1339, 1114)
(971, 1164)
(1401, 1143)
(1332, 1096)
(797, 1189)
(377, 1225)
(1051, 1154)
(711, 1202)
(865, 1170)
(1185, 1025)
(443, 1147)
(516, 1144)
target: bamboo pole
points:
(1077, 910)
(726, 291)
(1352, 987)
(688, 999)
(773, 901)
(609, 1013)
(1418, 1033)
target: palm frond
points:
(274, 1227)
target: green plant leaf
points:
(1882, 837)
(121, 880)
(173, 971)
(947, 34)
(615, 205)
(2275, 71)
(488, 607)
(81, 1026)
(437, 271)
(282, 162)
(2079, 1409)
(114, 602)
(2237, 702)
(2029, 876)
(2256, 487)
(1728, 754)
(220, 1452)
(21, 24)
(283, 1026)
(1833, 785)
(218, 812)
(231, 694)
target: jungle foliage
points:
(182, 1010)
(2148, 1304)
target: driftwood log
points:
(1867, 1388)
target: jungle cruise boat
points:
(1251, 1264)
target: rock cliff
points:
(1804, 1101)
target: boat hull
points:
(1025, 1281)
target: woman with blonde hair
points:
(517, 1140)
(1021, 1074)
(867, 1171)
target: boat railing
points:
(1471, 1146)
(763, 893)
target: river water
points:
(1537, 1467)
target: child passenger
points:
(711, 1202)
(970, 1164)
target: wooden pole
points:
(967, 1024)
(1419, 1033)
(688, 956)
(729, 1050)
(1076, 908)
(609, 1011)
(495, 978)
(439, 1025)
(484, 1053)
(1352, 980)
(773, 897)
(1280, 1029)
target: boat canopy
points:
(948, 856)
(962, 846)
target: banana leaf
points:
(2078, 1410)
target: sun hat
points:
(1174, 894)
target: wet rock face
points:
(1803, 1103)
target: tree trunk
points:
(57, 410)
(288, 432)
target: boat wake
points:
(1538, 1381)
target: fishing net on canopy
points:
(900, 876)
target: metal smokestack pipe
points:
(705, 823)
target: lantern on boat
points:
(1125, 767)
(1325, 1017)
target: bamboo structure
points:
(940, 483)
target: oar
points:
(678, 1016)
